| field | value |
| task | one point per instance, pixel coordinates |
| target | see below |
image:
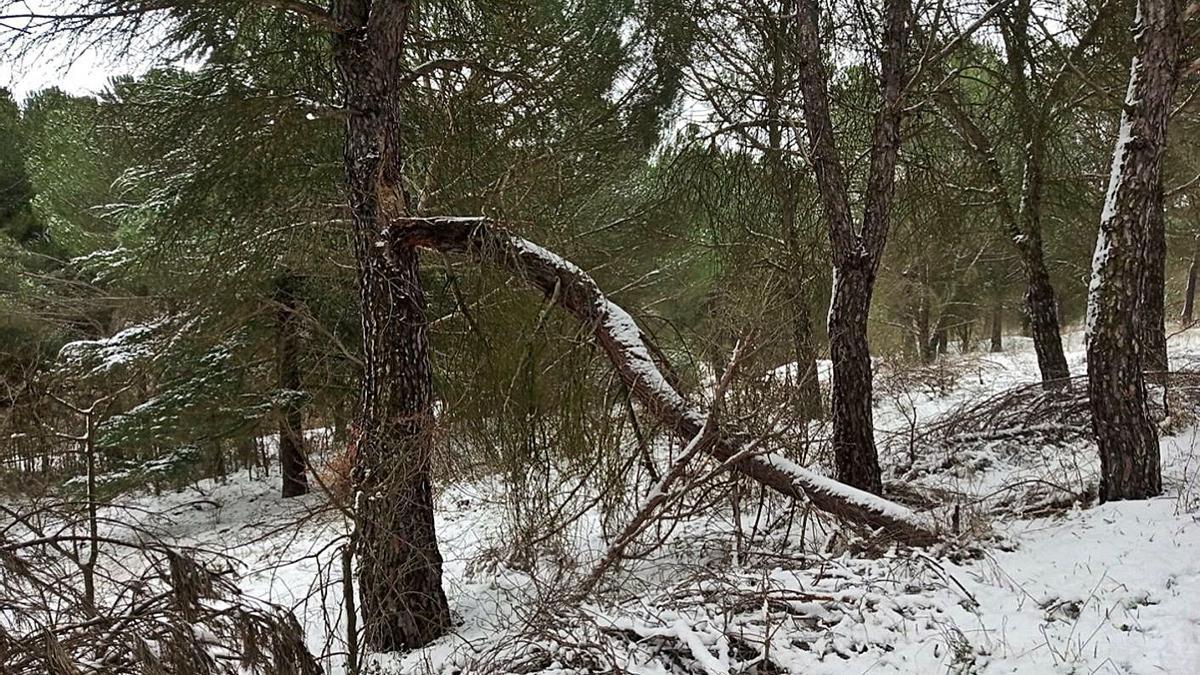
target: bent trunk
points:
(630, 352)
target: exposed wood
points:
(399, 565)
(625, 345)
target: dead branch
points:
(627, 348)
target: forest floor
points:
(1044, 583)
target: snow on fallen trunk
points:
(632, 354)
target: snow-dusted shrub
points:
(74, 600)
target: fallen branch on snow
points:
(627, 348)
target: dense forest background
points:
(164, 225)
(182, 273)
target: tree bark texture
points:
(1128, 439)
(853, 425)
(292, 465)
(399, 565)
(856, 252)
(630, 352)
(1153, 312)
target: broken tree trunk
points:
(627, 348)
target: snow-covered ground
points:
(1103, 589)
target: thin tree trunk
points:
(938, 341)
(924, 336)
(1128, 439)
(93, 555)
(997, 326)
(291, 419)
(1189, 294)
(783, 178)
(1040, 301)
(1023, 221)
(399, 565)
(808, 383)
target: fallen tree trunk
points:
(629, 351)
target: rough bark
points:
(291, 416)
(1153, 314)
(399, 565)
(853, 425)
(1128, 439)
(856, 253)
(1189, 293)
(1041, 308)
(629, 351)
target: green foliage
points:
(17, 220)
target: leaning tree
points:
(1128, 438)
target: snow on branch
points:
(632, 354)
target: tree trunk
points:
(924, 336)
(1128, 439)
(853, 424)
(1041, 311)
(1189, 294)
(291, 416)
(938, 344)
(808, 383)
(997, 326)
(631, 353)
(399, 565)
(1040, 302)
(1023, 221)
(856, 255)
(783, 179)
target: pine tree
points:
(1127, 436)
